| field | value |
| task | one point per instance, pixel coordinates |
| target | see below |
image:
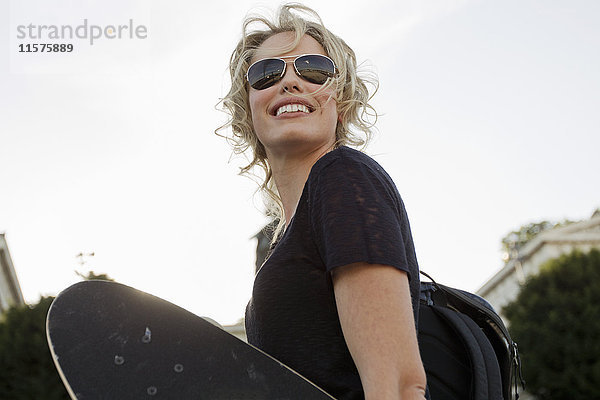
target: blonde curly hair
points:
(352, 96)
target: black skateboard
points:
(110, 341)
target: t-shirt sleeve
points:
(355, 216)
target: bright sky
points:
(489, 120)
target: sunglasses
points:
(314, 68)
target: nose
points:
(290, 81)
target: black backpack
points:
(465, 347)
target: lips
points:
(292, 108)
(291, 105)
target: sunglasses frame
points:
(285, 63)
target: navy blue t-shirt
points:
(350, 211)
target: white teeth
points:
(292, 108)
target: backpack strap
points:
(479, 386)
(492, 368)
(447, 365)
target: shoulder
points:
(347, 175)
(344, 158)
(346, 164)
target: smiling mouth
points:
(292, 108)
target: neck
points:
(290, 172)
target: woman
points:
(337, 299)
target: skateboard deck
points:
(110, 341)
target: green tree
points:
(556, 322)
(91, 275)
(27, 371)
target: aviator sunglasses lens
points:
(314, 68)
(264, 73)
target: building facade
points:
(505, 285)
(10, 291)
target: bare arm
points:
(375, 310)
